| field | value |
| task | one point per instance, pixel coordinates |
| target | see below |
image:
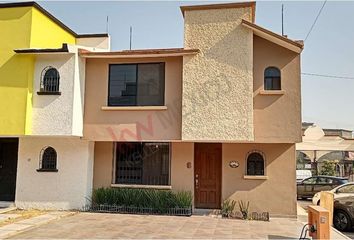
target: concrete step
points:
(4, 204)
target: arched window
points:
(255, 164)
(48, 159)
(272, 79)
(50, 80)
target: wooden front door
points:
(8, 168)
(207, 175)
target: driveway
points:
(97, 225)
(114, 226)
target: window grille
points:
(48, 159)
(255, 164)
(50, 80)
(143, 163)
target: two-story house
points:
(41, 103)
(219, 117)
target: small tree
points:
(328, 168)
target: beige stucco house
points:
(219, 117)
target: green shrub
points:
(227, 207)
(244, 209)
(144, 198)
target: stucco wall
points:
(103, 164)
(218, 82)
(98, 43)
(66, 189)
(125, 125)
(277, 194)
(53, 114)
(277, 118)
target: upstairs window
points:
(272, 79)
(50, 80)
(136, 84)
(48, 160)
(255, 164)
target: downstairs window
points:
(143, 163)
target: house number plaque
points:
(234, 164)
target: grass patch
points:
(22, 215)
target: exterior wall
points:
(140, 125)
(270, 122)
(217, 83)
(45, 33)
(15, 71)
(103, 165)
(52, 114)
(103, 43)
(66, 189)
(277, 194)
(20, 28)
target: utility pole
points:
(130, 38)
(107, 24)
(282, 19)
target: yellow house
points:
(25, 25)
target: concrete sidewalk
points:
(23, 225)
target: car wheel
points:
(341, 221)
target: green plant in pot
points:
(227, 207)
(244, 208)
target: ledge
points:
(248, 177)
(49, 93)
(271, 92)
(47, 170)
(134, 108)
(160, 187)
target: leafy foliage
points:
(144, 198)
(328, 168)
(244, 209)
(227, 207)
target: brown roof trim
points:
(93, 35)
(50, 16)
(221, 6)
(63, 49)
(266, 31)
(166, 51)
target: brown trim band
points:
(63, 49)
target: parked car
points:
(345, 190)
(343, 216)
(302, 174)
(308, 187)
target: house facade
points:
(219, 117)
(42, 96)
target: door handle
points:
(196, 181)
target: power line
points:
(313, 25)
(327, 76)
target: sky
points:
(329, 49)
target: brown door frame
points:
(219, 198)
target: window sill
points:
(48, 93)
(134, 108)
(249, 177)
(47, 170)
(160, 187)
(271, 92)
